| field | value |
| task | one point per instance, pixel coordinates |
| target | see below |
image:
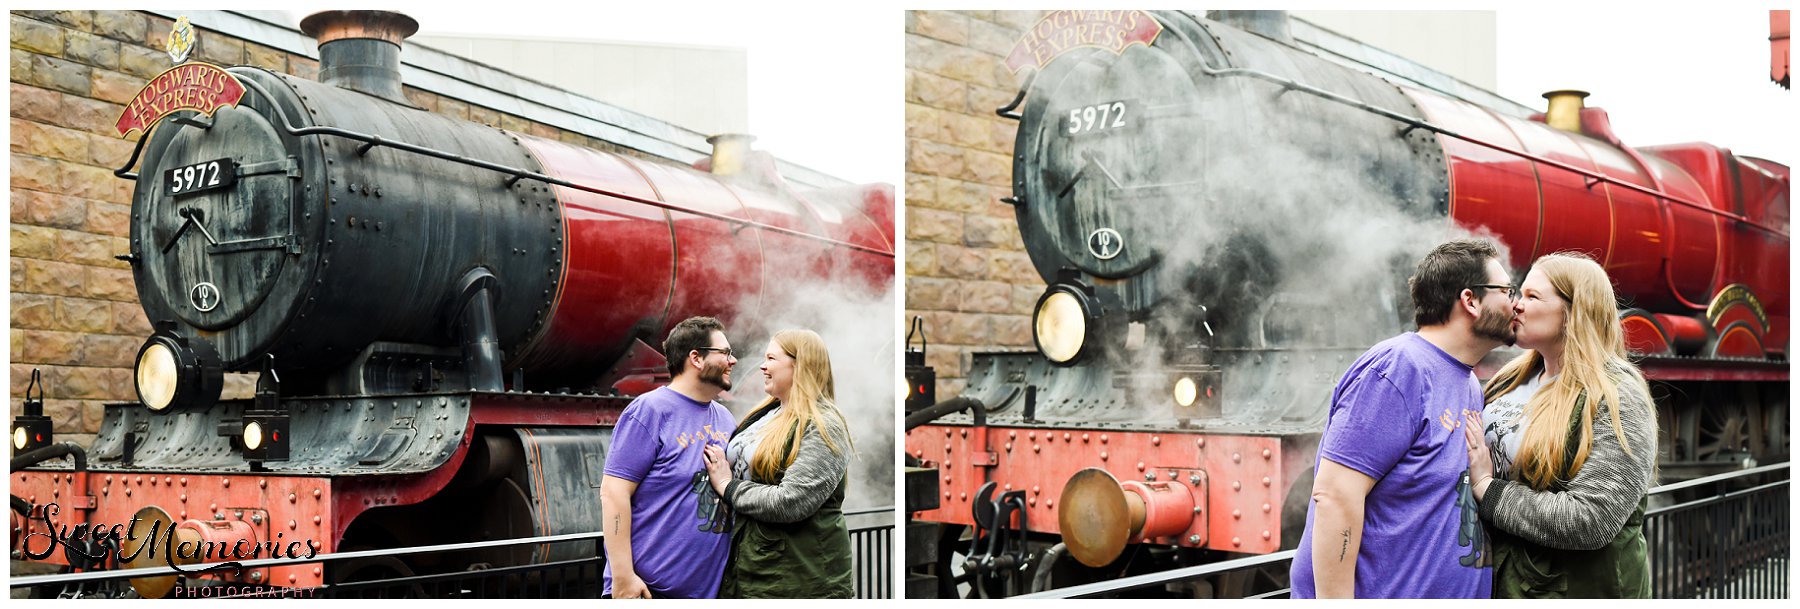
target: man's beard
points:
(714, 375)
(1496, 326)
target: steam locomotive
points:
(447, 318)
(1224, 221)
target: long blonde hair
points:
(1594, 365)
(812, 395)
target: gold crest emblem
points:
(181, 40)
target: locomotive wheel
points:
(373, 569)
(1724, 430)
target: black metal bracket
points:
(1007, 111)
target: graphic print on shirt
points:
(713, 516)
(1469, 533)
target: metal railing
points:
(1729, 544)
(871, 545)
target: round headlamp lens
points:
(157, 376)
(1186, 391)
(253, 435)
(1061, 326)
(19, 438)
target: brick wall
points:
(966, 268)
(74, 308)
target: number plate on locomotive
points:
(201, 177)
(1096, 119)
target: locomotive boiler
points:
(447, 317)
(1225, 220)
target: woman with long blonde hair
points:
(1571, 425)
(783, 476)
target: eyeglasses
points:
(1512, 293)
(726, 351)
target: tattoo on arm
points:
(615, 523)
(1346, 547)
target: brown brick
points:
(142, 62)
(58, 278)
(942, 25)
(985, 99)
(115, 87)
(49, 141)
(41, 105)
(545, 131)
(109, 219)
(1013, 267)
(46, 347)
(982, 231)
(1014, 330)
(265, 57)
(156, 32)
(83, 383)
(515, 124)
(993, 38)
(921, 258)
(950, 61)
(934, 225)
(923, 122)
(966, 131)
(934, 158)
(85, 248)
(453, 108)
(988, 167)
(220, 49)
(34, 311)
(58, 211)
(1018, 20)
(126, 26)
(1005, 136)
(113, 284)
(91, 115)
(128, 319)
(109, 350)
(65, 415)
(21, 377)
(303, 67)
(18, 275)
(34, 242)
(92, 50)
(93, 413)
(423, 100)
(33, 173)
(966, 197)
(485, 116)
(80, 20)
(89, 182)
(109, 152)
(1025, 297)
(53, 73)
(931, 294)
(967, 329)
(84, 315)
(986, 297)
(36, 36)
(920, 188)
(936, 91)
(961, 262)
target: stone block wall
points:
(74, 307)
(966, 269)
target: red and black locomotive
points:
(448, 317)
(1225, 220)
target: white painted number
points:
(1097, 117)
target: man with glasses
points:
(666, 534)
(1392, 515)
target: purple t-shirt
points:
(1397, 417)
(680, 532)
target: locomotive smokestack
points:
(360, 50)
(730, 153)
(1270, 24)
(1565, 109)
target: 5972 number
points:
(199, 177)
(1098, 117)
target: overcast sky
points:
(827, 84)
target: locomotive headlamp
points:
(265, 431)
(177, 371)
(253, 435)
(32, 430)
(1063, 324)
(920, 384)
(1186, 392)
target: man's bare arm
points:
(615, 518)
(1338, 495)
